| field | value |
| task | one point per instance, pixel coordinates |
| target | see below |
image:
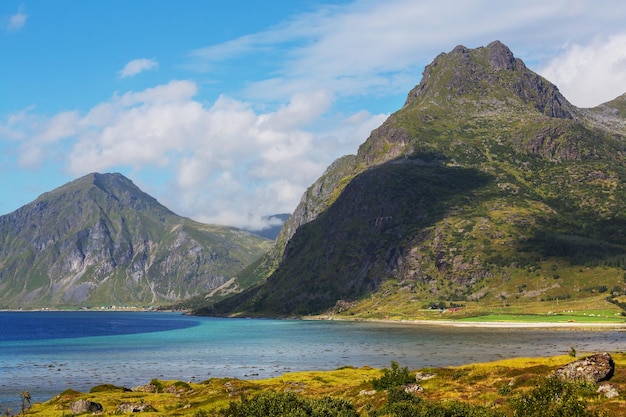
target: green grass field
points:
(547, 318)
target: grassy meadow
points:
(486, 389)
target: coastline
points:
(490, 324)
(502, 325)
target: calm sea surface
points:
(48, 352)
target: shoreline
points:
(502, 325)
(490, 324)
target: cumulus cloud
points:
(137, 66)
(252, 152)
(592, 73)
(227, 162)
(17, 21)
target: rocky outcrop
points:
(464, 71)
(315, 199)
(424, 376)
(608, 390)
(85, 406)
(595, 368)
(413, 388)
(135, 408)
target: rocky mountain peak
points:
(484, 73)
(501, 58)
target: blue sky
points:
(227, 111)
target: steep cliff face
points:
(487, 185)
(486, 80)
(100, 240)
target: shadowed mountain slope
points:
(487, 186)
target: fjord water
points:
(48, 352)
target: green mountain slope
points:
(100, 240)
(487, 187)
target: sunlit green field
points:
(548, 318)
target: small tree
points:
(25, 396)
(572, 352)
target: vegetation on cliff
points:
(487, 188)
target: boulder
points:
(423, 376)
(609, 391)
(595, 368)
(85, 406)
(413, 388)
(134, 408)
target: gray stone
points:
(413, 388)
(609, 390)
(85, 406)
(423, 376)
(134, 408)
(595, 368)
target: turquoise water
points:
(45, 353)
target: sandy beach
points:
(520, 325)
(493, 324)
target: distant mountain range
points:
(100, 240)
(487, 186)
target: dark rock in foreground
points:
(85, 406)
(134, 408)
(595, 368)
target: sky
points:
(227, 111)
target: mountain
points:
(100, 240)
(487, 189)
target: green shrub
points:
(403, 404)
(182, 385)
(158, 385)
(287, 404)
(108, 388)
(553, 397)
(393, 377)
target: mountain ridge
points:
(528, 191)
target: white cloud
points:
(379, 48)
(137, 66)
(228, 163)
(592, 73)
(17, 21)
(231, 160)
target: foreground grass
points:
(492, 385)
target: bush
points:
(402, 404)
(287, 404)
(393, 377)
(107, 388)
(553, 397)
